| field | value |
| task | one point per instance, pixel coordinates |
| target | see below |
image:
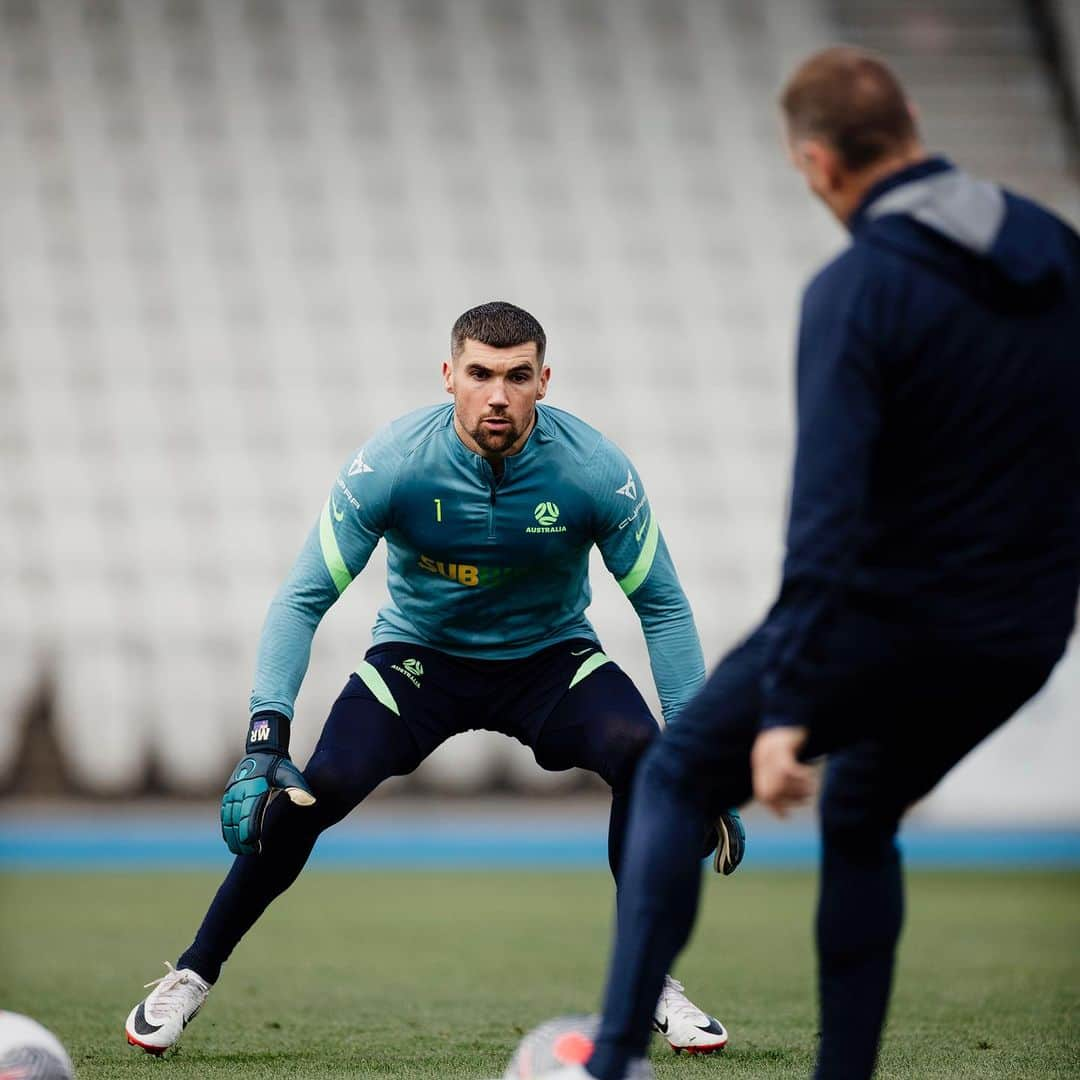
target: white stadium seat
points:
(234, 243)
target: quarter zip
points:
(493, 482)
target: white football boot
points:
(159, 1019)
(684, 1025)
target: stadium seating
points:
(236, 234)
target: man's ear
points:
(542, 385)
(819, 163)
(448, 376)
(833, 169)
(810, 155)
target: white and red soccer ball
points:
(557, 1044)
(29, 1051)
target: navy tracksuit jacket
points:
(937, 474)
(930, 582)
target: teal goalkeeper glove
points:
(731, 844)
(263, 773)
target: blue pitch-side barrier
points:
(62, 844)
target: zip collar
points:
(543, 431)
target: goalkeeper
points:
(489, 506)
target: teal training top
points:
(479, 566)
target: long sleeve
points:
(634, 551)
(337, 549)
(839, 422)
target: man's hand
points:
(261, 775)
(781, 781)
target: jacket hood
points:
(1014, 254)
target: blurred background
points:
(234, 235)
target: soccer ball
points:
(565, 1041)
(30, 1052)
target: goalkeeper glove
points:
(262, 774)
(731, 845)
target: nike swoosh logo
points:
(580, 652)
(338, 514)
(662, 1028)
(141, 1026)
(644, 526)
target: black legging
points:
(602, 725)
(928, 711)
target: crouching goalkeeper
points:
(489, 506)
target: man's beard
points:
(496, 442)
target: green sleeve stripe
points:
(591, 663)
(331, 553)
(374, 682)
(640, 570)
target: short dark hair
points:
(851, 99)
(500, 325)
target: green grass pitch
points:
(437, 974)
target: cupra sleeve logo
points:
(546, 513)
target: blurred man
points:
(933, 551)
(489, 506)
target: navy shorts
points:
(571, 704)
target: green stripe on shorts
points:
(598, 659)
(374, 682)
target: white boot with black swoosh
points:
(684, 1025)
(159, 1020)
